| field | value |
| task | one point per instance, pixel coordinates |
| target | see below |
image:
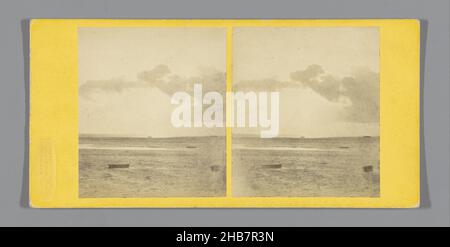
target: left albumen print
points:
(128, 144)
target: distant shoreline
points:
(234, 136)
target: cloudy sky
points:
(128, 75)
(328, 78)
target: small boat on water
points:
(115, 166)
(368, 168)
(273, 166)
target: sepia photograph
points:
(326, 112)
(130, 85)
(304, 112)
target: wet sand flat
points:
(158, 167)
(301, 167)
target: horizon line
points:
(235, 135)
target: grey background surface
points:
(14, 110)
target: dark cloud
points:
(308, 74)
(155, 74)
(359, 92)
(361, 89)
(161, 78)
(211, 80)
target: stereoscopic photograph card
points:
(224, 113)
